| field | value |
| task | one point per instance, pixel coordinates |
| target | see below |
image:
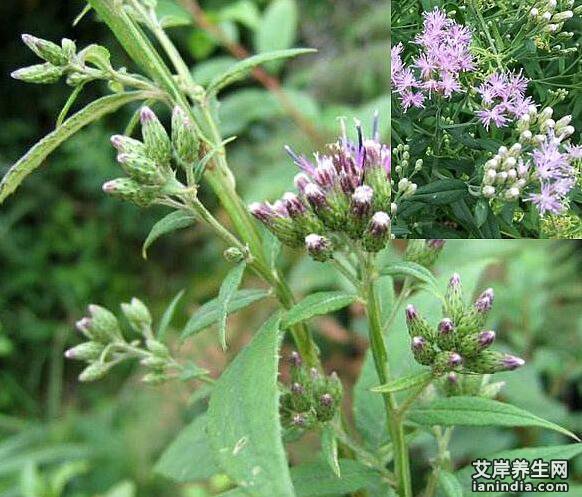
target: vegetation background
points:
(64, 244)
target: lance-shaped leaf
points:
(209, 314)
(189, 457)
(174, 221)
(41, 150)
(411, 269)
(243, 418)
(317, 304)
(329, 449)
(440, 192)
(404, 383)
(240, 70)
(477, 411)
(227, 291)
(168, 315)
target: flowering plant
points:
(484, 130)
(431, 378)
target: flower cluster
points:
(312, 397)
(459, 343)
(543, 160)
(503, 99)
(404, 171)
(106, 345)
(345, 192)
(550, 15)
(148, 163)
(443, 58)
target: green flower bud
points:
(424, 252)
(447, 361)
(451, 384)
(39, 74)
(319, 247)
(300, 398)
(69, 48)
(104, 326)
(184, 137)
(126, 145)
(158, 348)
(46, 50)
(377, 232)
(75, 79)
(474, 319)
(156, 363)
(156, 140)
(88, 351)
(141, 169)
(325, 407)
(234, 254)
(417, 325)
(95, 371)
(471, 345)
(446, 336)
(129, 189)
(303, 420)
(138, 315)
(454, 306)
(423, 351)
(492, 361)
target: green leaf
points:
(450, 485)
(174, 221)
(329, 449)
(440, 192)
(411, 269)
(477, 411)
(567, 452)
(189, 457)
(208, 314)
(316, 479)
(227, 291)
(278, 27)
(243, 418)
(317, 304)
(240, 70)
(404, 383)
(41, 150)
(168, 315)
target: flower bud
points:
(492, 361)
(423, 252)
(157, 348)
(304, 420)
(447, 361)
(377, 232)
(46, 50)
(475, 317)
(39, 74)
(300, 398)
(88, 351)
(141, 169)
(129, 189)
(417, 325)
(446, 334)
(319, 247)
(451, 384)
(234, 254)
(184, 137)
(422, 350)
(362, 201)
(127, 145)
(471, 345)
(138, 315)
(157, 143)
(103, 326)
(453, 305)
(94, 371)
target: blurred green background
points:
(63, 244)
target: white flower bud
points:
(488, 191)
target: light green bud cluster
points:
(403, 171)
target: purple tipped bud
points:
(297, 389)
(146, 115)
(295, 359)
(318, 247)
(455, 281)
(452, 378)
(362, 200)
(486, 338)
(380, 224)
(326, 400)
(110, 186)
(280, 209)
(418, 343)
(325, 174)
(315, 196)
(299, 420)
(293, 204)
(485, 301)
(455, 360)
(435, 244)
(70, 354)
(262, 211)
(84, 324)
(411, 313)
(117, 141)
(446, 326)
(511, 362)
(314, 373)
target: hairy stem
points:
(378, 346)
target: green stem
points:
(378, 347)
